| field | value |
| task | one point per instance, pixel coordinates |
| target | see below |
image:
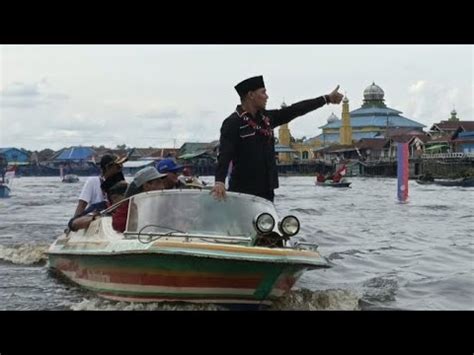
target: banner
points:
(402, 171)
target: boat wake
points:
(297, 300)
(307, 300)
(97, 304)
(25, 254)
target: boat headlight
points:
(264, 223)
(289, 226)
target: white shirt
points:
(91, 191)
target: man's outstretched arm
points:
(286, 114)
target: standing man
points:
(247, 139)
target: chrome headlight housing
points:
(289, 226)
(264, 223)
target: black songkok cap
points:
(249, 84)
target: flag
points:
(10, 174)
(342, 171)
(402, 171)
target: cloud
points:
(163, 114)
(417, 87)
(56, 97)
(20, 103)
(78, 122)
(139, 110)
(18, 89)
(430, 102)
(206, 113)
(25, 95)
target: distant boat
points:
(70, 178)
(463, 182)
(4, 190)
(333, 184)
(6, 182)
(335, 180)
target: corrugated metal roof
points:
(328, 137)
(281, 148)
(138, 163)
(377, 121)
(76, 153)
(3, 150)
(334, 137)
(453, 125)
(374, 111)
(371, 143)
(192, 155)
(466, 135)
(192, 147)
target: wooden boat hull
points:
(204, 259)
(334, 184)
(152, 278)
(182, 271)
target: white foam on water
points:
(298, 300)
(307, 300)
(25, 254)
(97, 304)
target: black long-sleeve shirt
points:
(251, 152)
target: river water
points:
(385, 255)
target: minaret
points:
(453, 116)
(345, 132)
(284, 136)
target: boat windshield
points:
(195, 212)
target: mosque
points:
(371, 120)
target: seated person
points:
(174, 180)
(147, 179)
(115, 194)
(337, 178)
(339, 174)
(168, 166)
(190, 181)
(92, 196)
(320, 177)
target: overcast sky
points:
(164, 95)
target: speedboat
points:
(185, 246)
(70, 178)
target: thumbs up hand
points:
(335, 97)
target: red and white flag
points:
(10, 174)
(342, 171)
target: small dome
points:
(332, 118)
(453, 112)
(373, 92)
(345, 99)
